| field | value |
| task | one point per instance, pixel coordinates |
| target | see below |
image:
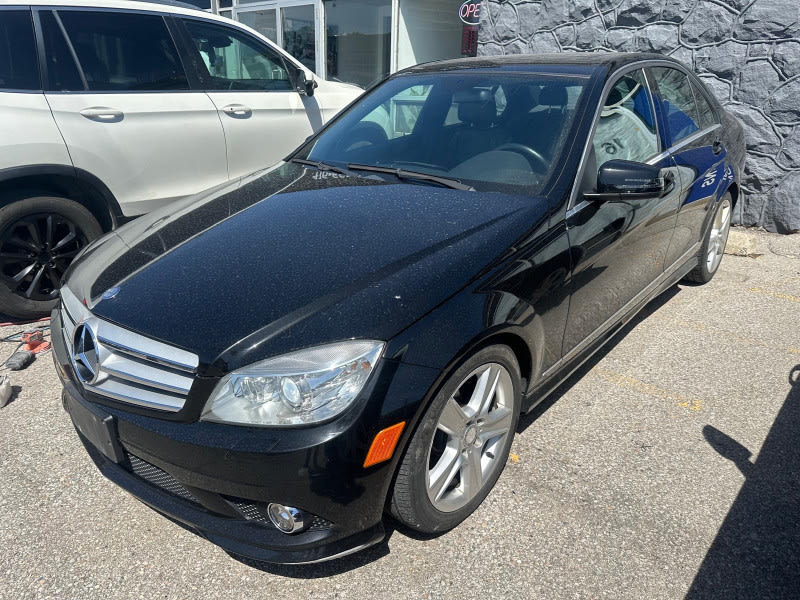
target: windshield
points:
(491, 131)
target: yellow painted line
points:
(775, 294)
(626, 381)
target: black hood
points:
(296, 257)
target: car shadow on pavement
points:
(756, 553)
(528, 419)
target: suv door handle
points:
(237, 110)
(103, 114)
(717, 147)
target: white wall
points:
(428, 30)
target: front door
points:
(263, 116)
(121, 99)
(618, 247)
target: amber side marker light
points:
(384, 444)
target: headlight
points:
(295, 389)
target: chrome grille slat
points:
(132, 368)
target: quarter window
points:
(707, 115)
(627, 129)
(18, 68)
(677, 98)
(115, 51)
(234, 61)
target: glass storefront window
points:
(299, 38)
(264, 21)
(358, 40)
(433, 31)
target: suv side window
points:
(677, 98)
(235, 61)
(18, 67)
(115, 51)
(627, 128)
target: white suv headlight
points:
(300, 388)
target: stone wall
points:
(747, 51)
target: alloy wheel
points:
(35, 251)
(466, 447)
(718, 236)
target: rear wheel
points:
(39, 237)
(460, 448)
(713, 246)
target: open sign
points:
(470, 12)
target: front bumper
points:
(216, 480)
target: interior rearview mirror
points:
(305, 86)
(621, 179)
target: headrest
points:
(476, 107)
(553, 95)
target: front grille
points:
(131, 368)
(152, 474)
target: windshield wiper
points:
(319, 165)
(403, 174)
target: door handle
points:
(717, 147)
(237, 110)
(103, 114)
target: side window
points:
(62, 71)
(235, 61)
(18, 67)
(707, 115)
(677, 99)
(627, 129)
(115, 51)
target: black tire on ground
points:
(16, 220)
(702, 273)
(410, 502)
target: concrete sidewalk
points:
(666, 467)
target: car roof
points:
(164, 6)
(517, 62)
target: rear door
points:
(262, 114)
(120, 96)
(693, 133)
(617, 246)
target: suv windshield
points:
(490, 131)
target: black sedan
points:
(281, 362)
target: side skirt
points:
(568, 364)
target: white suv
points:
(109, 109)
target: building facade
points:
(359, 41)
(747, 51)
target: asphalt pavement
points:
(667, 467)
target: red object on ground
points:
(34, 341)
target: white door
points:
(125, 109)
(263, 116)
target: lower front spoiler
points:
(241, 538)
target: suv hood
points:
(295, 257)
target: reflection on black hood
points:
(296, 257)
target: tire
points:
(452, 437)
(39, 236)
(715, 240)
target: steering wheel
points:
(363, 134)
(533, 156)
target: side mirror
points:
(621, 179)
(305, 86)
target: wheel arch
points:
(67, 182)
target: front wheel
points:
(713, 247)
(39, 237)
(462, 444)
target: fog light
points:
(286, 518)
